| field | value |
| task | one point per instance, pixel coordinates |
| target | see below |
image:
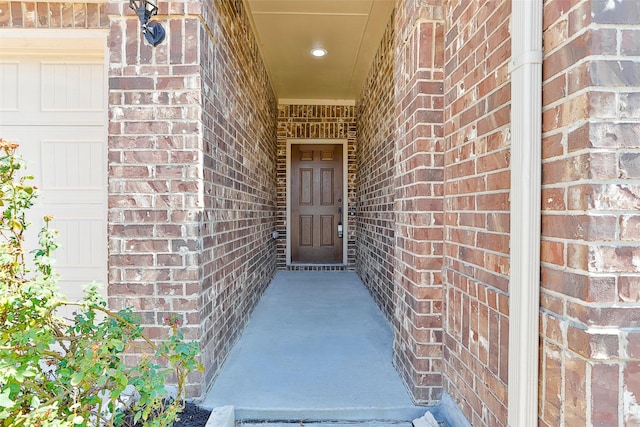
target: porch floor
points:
(317, 348)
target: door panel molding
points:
(327, 189)
(345, 217)
(306, 178)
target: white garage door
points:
(53, 104)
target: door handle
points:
(340, 232)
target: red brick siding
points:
(400, 190)
(52, 15)
(239, 167)
(476, 266)
(418, 195)
(591, 194)
(197, 184)
(154, 114)
(155, 187)
(192, 174)
(375, 221)
(314, 122)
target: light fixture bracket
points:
(153, 31)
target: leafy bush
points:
(70, 372)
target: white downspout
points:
(526, 146)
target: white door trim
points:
(345, 214)
(74, 42)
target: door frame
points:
(345, 179)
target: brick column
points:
(155, 180)
(590, 355)
(418, 206)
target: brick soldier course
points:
(197, 184)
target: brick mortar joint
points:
(589, 152)
(114, 17)
(588, 59)
(587, 90)
(416, 25)
(580, 302)
(470, 278)
(594, 272)
(582, 32)
(610, 360)
(207, 29)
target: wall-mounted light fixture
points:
(153, 31)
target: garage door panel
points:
(81, 225)
(53, 119)
(9, 72)
(64, 197)
(69, 211)
(76, 87)
(82, 253)
(73, 291)
(62, 157)
(73, 164)
(81, 244)
(55, 110)
(53, 93)
(28, 151)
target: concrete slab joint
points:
(222, 416)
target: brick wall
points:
(476, 266)
(197, 181)
(155, 186)
(192, 174)
(154, 115)
(154, 148)
(590, 320)
(52, 15)
(400, 190)
(418, 195)
(314, 122)
(239, 167)
(192, 193)
(375, 224)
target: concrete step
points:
(366, 423)
(342, 423)
(390, 414)
(225, 416)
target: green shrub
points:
(71, 372)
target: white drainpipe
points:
(526, 146)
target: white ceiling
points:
(350, 31)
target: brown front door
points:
(316, 203)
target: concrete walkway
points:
(317, 348)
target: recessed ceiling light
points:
(318, 52)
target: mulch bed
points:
(192, 416)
